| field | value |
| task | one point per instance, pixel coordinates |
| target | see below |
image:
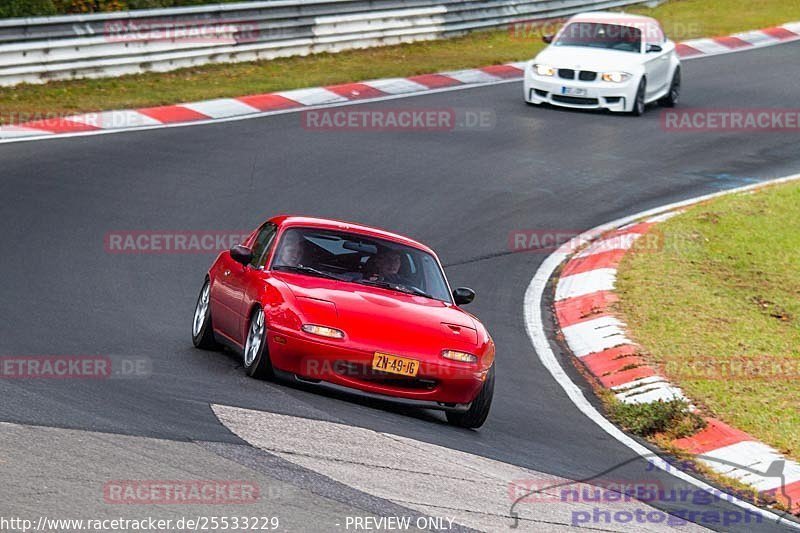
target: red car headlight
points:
(461, 357)
(323, 331)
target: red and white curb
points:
(740, 41)
(584, 298)
(287, 101)
(261, 104)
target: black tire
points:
(639, 105)
(257, 365)
(203, 332)
(671, 100)
(479, 410)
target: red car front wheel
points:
(256, 353)
(476, 415)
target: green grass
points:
(671, 418)
(683, 19)
(717, 308)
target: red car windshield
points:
(356, 258)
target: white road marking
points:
(623, 387)
(618, 242)
(595, 335)
(656, 392)
(396, 86)
(221, 108)
(599, 279)
(10, 132)
(756, 456)
(471, 76)
(755, 38)
(664, 216)
(793, 27)
(313, 96)
(708, 46)
(115, 119)
(478, 492)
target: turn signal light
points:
(462, 357)
(323, 331)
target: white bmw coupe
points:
(608, 61)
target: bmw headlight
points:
(543, 70)
(616, 77)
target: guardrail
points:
(36, 50)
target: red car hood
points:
(376, 319)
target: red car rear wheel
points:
(202, 330)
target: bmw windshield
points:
(598, 35)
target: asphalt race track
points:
(461, 192)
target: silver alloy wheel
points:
(675, 90)
(640, 99)
(255, 337)
(201, 311)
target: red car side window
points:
(262, 244)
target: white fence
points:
(36, 50)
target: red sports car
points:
(346, 305)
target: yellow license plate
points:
(395, 365)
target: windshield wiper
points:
(408, 289)
(307, 270)
(417, 291)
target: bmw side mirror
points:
(241, 254)
(548, 38)
(651, 48)
(463, 295)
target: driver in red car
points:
(291, 252)
(385, 267)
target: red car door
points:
(226, 298)
(235, 278)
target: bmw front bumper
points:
(576, 94)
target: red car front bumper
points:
(438, 380)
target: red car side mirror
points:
(463, 295)
(241, 254)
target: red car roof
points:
(285, 221)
